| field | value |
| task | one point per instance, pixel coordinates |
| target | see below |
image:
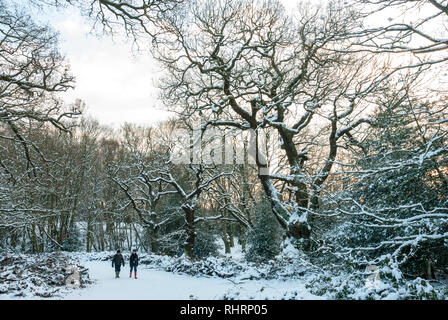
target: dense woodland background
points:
(353, 91)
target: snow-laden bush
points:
(263, 243)
(73, 240)
(385, 282)
(204, 245)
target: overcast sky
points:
(116, 85)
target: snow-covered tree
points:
(253, 66)
(396, 207)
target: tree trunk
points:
(230, 236)
(225, 238)
(226, 243)
(88, 236)
(155, 240)
(242, 242)
(429, 270)
(137, 235)
(294, 229)
(190, 230)
(101, 237)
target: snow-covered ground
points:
(44, 276)
(163, 278)
(160, 285)
(289, 276)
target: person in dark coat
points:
(117, 261)
(133, 262)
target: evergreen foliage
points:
(265, 238)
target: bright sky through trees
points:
(116, 84)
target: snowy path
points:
(160, 285)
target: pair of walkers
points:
(118, 260)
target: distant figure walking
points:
(133, 262)
(117, 261)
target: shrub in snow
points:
(386, 283)
(205, 245)
(214, 267)
(73, 240)
(265, 238)
(170, 242)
